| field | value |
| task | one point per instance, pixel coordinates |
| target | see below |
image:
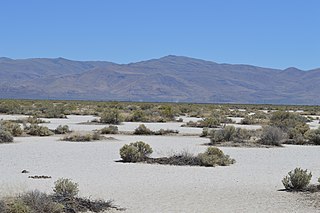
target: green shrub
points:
(271, 136)
(109, 130)
(36, 130)
(65, 187)
(82, 137)
(62, 129)
(143, 130)
(296, 180)
(287, 120)
(225, 134)
(242, 135)
(135, 152)
(248, 120)
(18, 206)
(313, 136)
(137, 116)
(111, 117)
(166, 132)
(14, 128)
(213, 156)
(34, 120)
(41, 202)
(5, 137)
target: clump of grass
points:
(297, 179)
(83, 137)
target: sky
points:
(266, 33)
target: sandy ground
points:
(250, 185)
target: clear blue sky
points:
(270, 33)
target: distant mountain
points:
(171, 78)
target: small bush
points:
(5, 137)
(242, 135)
(65, 187)
(135, 152)
(62, 129)
(41, 202)
(143, 130)
(166, 132)
(213, 156)
(111, 117)
(296, 180)
(18, 206)
(13, 128)
(313, 136)
(228, 133)
(35, 120)
(272, 136)
(109, 130)
(82, 137)
(36, 130)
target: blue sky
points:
(269, 33)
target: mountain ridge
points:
(170, 78)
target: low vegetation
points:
(5, 137)
(135, 152)
(83, 137)
(297, 179)
(140, 152)
(143, 130)
(62, 129)
(37, 130)
(273, 136)
(64, 200)
(109, 130)
(14, 128)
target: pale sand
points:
(250, 185)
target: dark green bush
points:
(5, 137)
(135, 152)
(297, 179)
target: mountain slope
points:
(171, 78)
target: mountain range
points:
(167, 79)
